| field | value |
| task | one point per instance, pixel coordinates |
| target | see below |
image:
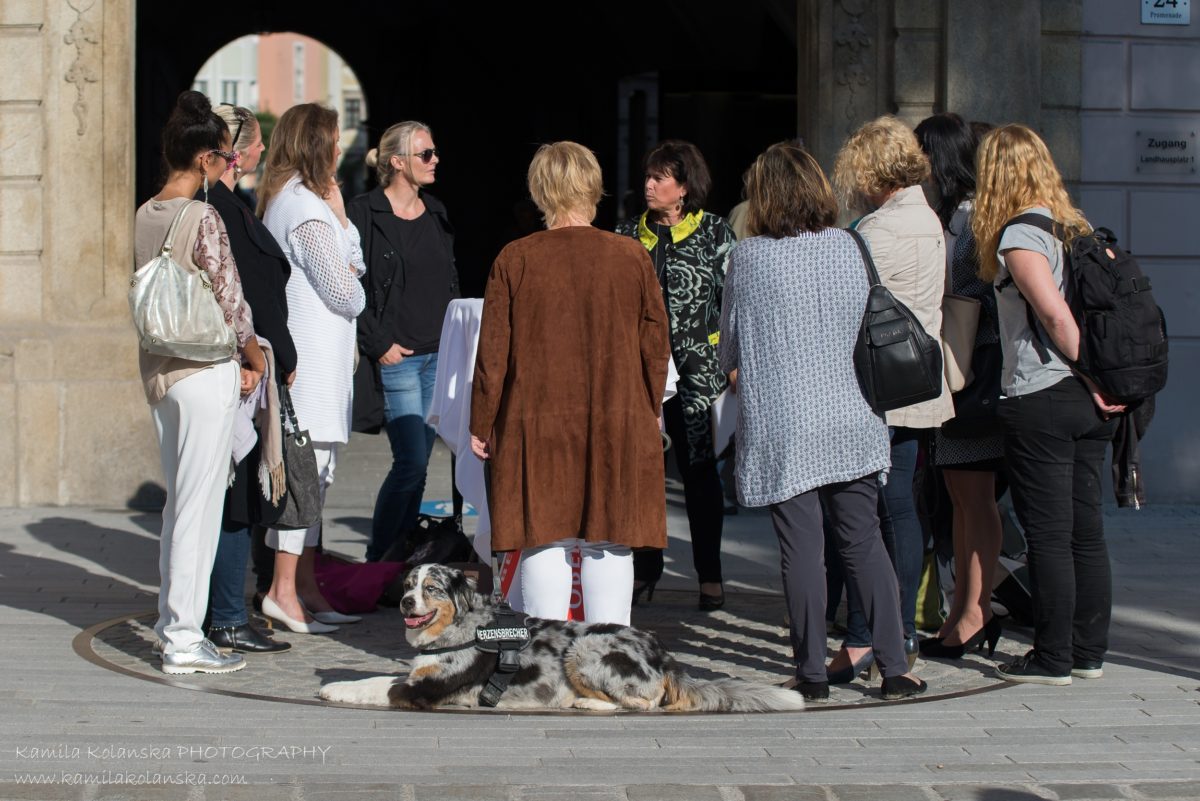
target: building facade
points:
(1088, 74)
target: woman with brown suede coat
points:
(568, 386)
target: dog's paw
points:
(367, 692)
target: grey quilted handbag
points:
(302, 503)
(174, 308)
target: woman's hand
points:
(333, 198)
(480, 448)
(290, 378)
(1106, 407)
(250, 380)
(733, 381)
(395, 354)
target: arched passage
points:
(496, 80)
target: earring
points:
(205, 187)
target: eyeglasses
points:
(427, 155)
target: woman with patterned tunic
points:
(690, 248)
(807, 439)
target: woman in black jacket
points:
(408, 245)
(264, 271)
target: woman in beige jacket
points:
(879, 172)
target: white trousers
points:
(194, 423)
(606, 576)
(295, 540)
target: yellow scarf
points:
(679, 231)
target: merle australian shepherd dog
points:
(567, 664)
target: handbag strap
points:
(169, 242)
(872, 273)
(287, 412)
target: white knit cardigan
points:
(323, 303)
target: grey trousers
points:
(852, 511)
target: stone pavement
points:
(85, 732)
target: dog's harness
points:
(506, 637)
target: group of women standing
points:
(578, 328)
(301, 268)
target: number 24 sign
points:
(1166, 12)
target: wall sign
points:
(1166, 12)
(1171, 152)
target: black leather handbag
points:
(302, 504)
(897, 362)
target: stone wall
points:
(70, 404)
(1140, 80)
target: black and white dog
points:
(567, 664)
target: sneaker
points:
(1026, 670)
(1087, 669)
(203, 657)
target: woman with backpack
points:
(1057, 424)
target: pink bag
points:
(353, 587)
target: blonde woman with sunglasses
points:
(408, 244)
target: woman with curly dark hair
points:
(690, 248)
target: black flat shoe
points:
(711, 603)
(245, 639)
(897, 687)
(813, 690)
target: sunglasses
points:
(230, 156)
(427, 155)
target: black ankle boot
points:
(245, 639)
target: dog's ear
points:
(462, 590)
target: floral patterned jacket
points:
(693, 277)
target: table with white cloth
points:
(450, 415)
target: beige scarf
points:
(271, 475)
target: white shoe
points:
(335, 617)
(203, 657)
(272, 610)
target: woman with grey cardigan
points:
(807, 440)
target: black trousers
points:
(851, 507)
(1054, 444)
(704, 499)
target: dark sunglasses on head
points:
(427, 155)
(238, 130)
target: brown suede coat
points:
(569, 379)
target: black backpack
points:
(896, 361)
(1122, 331)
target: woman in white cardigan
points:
(302, 208)
(879, 173)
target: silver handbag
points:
(174, 308)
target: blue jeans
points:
(407, 396)
(226, 588)
(902, 534)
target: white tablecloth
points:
(450, 412)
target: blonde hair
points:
(880, 157)
(1015, 172)
(240, 121)
(396, 141)
(302, 142)
(564, 177)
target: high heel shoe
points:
(850, 673)
(711, 603)
(936, 646)
(272, 610)
(645, 587)
(331, 616)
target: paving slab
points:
(1135, 732)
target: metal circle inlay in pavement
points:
(746, 639)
